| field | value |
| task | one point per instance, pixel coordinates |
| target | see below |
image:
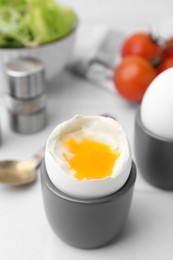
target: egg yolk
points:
(90, 159)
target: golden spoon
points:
(20, 172)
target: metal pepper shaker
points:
(25, 97)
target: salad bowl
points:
(38, 29)
(54, 55)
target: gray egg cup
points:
(86, 223)
(154, 156)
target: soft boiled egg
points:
(88, 156)
(157, 105)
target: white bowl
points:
(54, 55)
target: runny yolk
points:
(90, 159)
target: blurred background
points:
(124, 15)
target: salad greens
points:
(30, 23)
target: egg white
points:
(97, 128)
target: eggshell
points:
(86, 188)
(157, 105)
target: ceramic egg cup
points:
(154, 156)
(86, 223)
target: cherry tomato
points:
(166, 64)
(141, 44)
(132, 77)
(168, 48)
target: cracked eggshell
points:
(86, 189)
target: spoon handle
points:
(38, 156)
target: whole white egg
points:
(157, 105)
(91, 134)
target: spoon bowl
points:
(17, 173)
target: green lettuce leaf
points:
(30, 23)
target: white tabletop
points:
(24, 231)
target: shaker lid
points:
(25, 77)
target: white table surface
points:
(24, 230)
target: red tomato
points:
(168, 48)
(132, 77)
(140, 44)
(166, 64)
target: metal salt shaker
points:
(25, 98)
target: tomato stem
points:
(156, 61)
